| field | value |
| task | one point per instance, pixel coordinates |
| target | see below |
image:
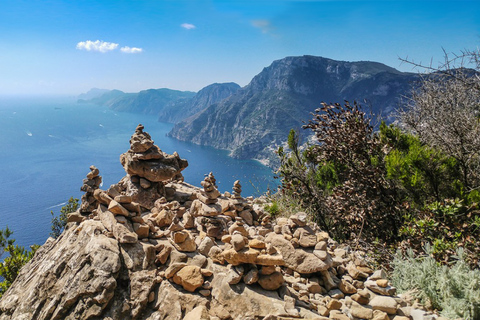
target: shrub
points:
(451, 289)
(59, 223)
(17, 258)
(342, 178)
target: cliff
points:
(154, 247)
(256, 118)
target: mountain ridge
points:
(256, 118)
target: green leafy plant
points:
(17, 257)
(59, 222)
(452, 289)
(342, 179)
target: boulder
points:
(189, 277)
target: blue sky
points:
(68, 47)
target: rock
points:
(116, 208)
(141, 230)
(257, 244)
(334, 304)
(189, 277)
(346, 287)
(300, 219)
(360, 312)
(247, 216)
(272, 281)
(173, 268)
(122, 199)
(198, 313)
(160, 167)
(298, 260)
(383, 283)
(338, 315)
(385, 304)
(144, 183)
(360, 299)
(380, 315)
(251, 276)
(205, 245)
(386, 291)
(163, 255)
(188, 245)
(234, 275)
(237, 241)
(164, 218)
(245, 255)
(269, 260)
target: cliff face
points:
(154, 247)
(282, 96)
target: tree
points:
(17, 258)
(342, 177)
(444, 113)
(59, 223)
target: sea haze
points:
(47, 146)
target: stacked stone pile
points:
(193, 253)
(90, 184)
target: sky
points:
(67, 47)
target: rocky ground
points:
(154, 247)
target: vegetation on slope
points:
(410, 186)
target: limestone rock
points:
(272, 281)
(385, 304)
(299, 260)
(189, 277)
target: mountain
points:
(252, 121)
(169, 105)
(92, 93)
(151, 101)
(207, 96)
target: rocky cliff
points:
(154, 247)
(259, 116)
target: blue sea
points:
(48, 144)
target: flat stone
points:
(116, 208)
(385, 304)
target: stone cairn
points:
(189, 237)
(90, 184)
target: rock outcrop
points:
(160, 248)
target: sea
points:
(47, 145)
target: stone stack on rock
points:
(193, 257)
(148, 168)
(90, 184)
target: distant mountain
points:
(256, 118)
(209, 95)
(92, 93)
(169, 105)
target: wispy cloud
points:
(128, 49)
(100, 46)
(264, 25)
(188, 26)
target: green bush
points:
(341, 180)
(17, 257)
(59, 222)
(452, 289)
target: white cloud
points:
(101, 46)
(188, 26)
(263, 25)
(127, 49)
